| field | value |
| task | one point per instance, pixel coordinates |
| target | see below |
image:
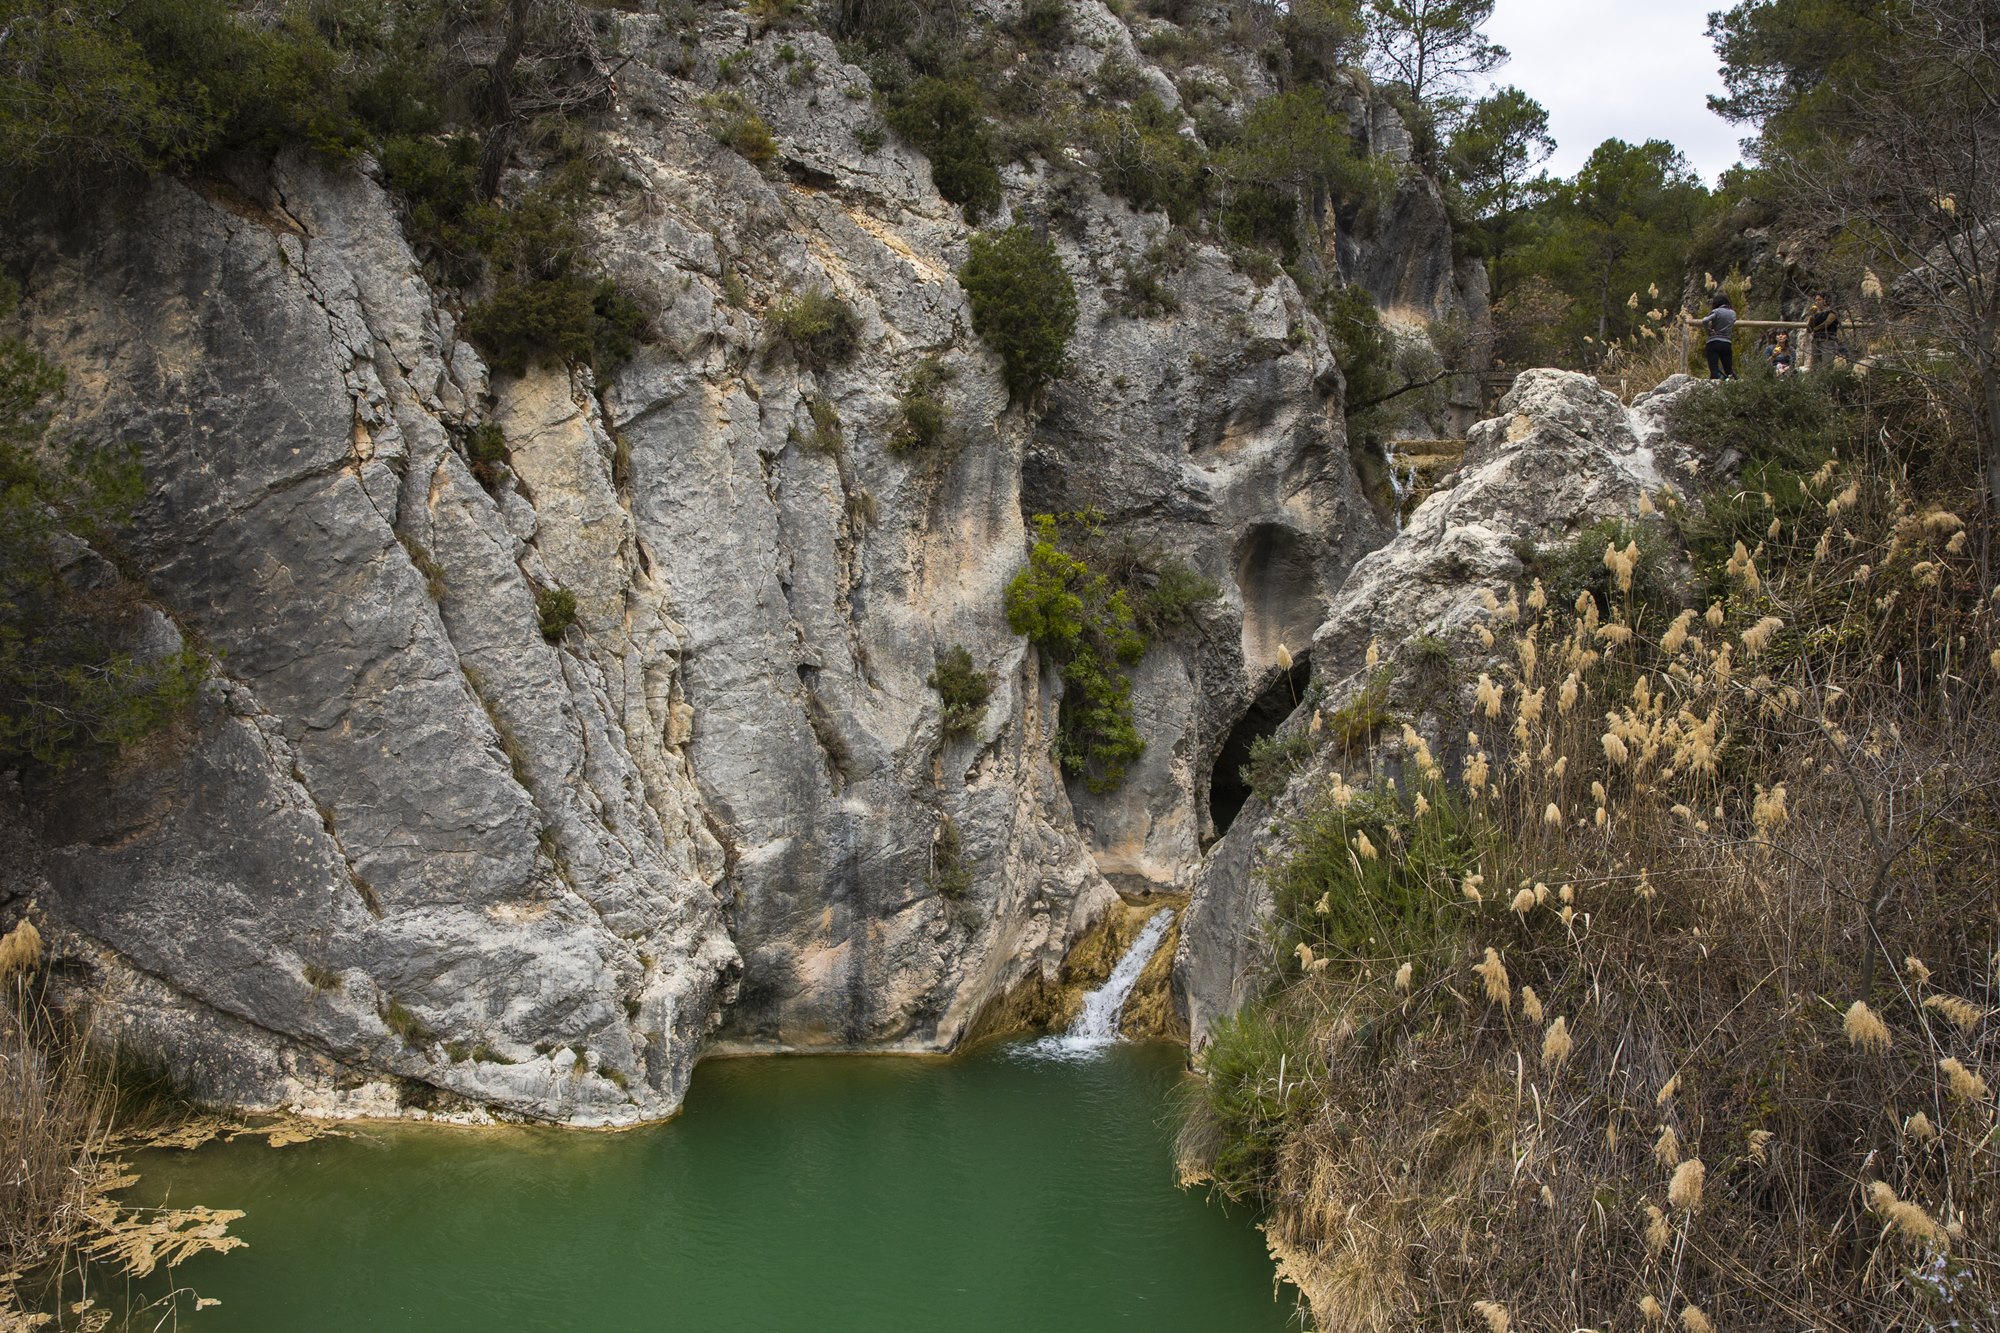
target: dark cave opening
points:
(1227, 791)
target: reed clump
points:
(1670, 996)
(65, 1112)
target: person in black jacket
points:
(1823, 329)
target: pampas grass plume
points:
(1865, 1029)
(1651, 1310)
(1684, 1190)
(1493, 973)
(1658, 1234)
(1667, 1148)
(1403, 978)
(1531, 1003)
(20, 949)
(1903, 1216)
(1495, 1315)
(1964, 1084)
(1694, 1321)
(1556, 1044)
(1962, 1012)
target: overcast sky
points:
(1630, 69)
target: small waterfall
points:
(1401, 484)
(1096, 1025)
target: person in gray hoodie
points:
(1720, 325)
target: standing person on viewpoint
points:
(1720, 324)
(1823, 328)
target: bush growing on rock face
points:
(923, 417)
(1086, 626)
(1147, 161)
(99, 91)
(945, 119)
(819, 328)
(949, 875)
(548, 300)
(737, 125)
(555, 611)
(1579, 565)
(1023, 306)
(962, 689)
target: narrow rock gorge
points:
(417, 848)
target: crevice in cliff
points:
(1227, 790)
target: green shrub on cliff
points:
(923, 417)
(1146, 160)
(549, 300)
(943, 117)
(963, 690)
(1023, 305)
(819, 328)
(99, 90)
(1086, 626)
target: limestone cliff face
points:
(409, 853)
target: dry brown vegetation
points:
(63, 1234)
(1657, 987)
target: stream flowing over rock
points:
(406, 853)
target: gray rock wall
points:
(408, 854)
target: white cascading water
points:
(1096, 1025)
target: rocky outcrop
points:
(408, 852)
(1563, 453)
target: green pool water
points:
(1007, 1190)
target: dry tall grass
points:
(62, 1234)
(1671, 996)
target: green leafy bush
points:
(1087, 627)
(1257, 1066)
(963, 690)
(1273, 762)
(1045, 22)
(1023, 305)
(555, 611)
(1577, 566)
(486, 448)
(437, 180)
(821, 330)
(94, 91)
(825, 436)
(1354, 723)
(549, 301)
(1146, 160)
(949, 875)
(737, 125)
(1177, 596)
(945, 119)
(923, 418)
